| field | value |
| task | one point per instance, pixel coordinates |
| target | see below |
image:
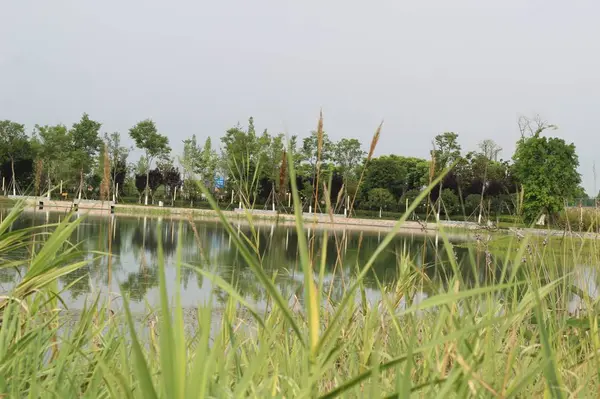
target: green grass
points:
(510, 337)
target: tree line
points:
(253, 168)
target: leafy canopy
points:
(547, 170)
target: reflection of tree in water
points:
(138, 284)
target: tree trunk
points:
(147, 184)
(80, 182)
(12, 169)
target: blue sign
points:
(219, 182)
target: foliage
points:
(381, 198)
(547, 170)
(450, 202)
(348, 155)
(84, 146)
(146, 137)
(54, 146)
(447, 150)
(117, 155)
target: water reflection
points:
(130, 257)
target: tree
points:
(547, 170)
(489, 149)
(85, 144)
(241, 154)
(447, 150)
(171, 178)
(450, 203)
(207, 164)
(13, 145)
(117, 155)
(348, 155)
(190, 158)
(153, 144)
(54, 146)
(380, 198)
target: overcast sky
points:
(199, 67)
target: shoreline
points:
(311, 221)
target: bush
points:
(381, 198)
(450, 203)
(411, 196)
(472, 203)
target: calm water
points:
(132, 265)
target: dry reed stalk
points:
(283, 174)
(374, 142)
(319, 151)
(105, 185)
(39, 167)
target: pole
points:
(61, 187)
(117, 192)
(289, 200)
(232, 194)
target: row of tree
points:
(254, 168)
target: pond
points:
(123, 254)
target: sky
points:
(200, 67)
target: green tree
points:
(154, 144)
(348, 155)
(54, 144)
(14, 145)
(381, 198)
(309, 151)
(189, 159)
(546, 167)
(241, 155)
(447, 150)
(207, 164)
(85, 145)
(117, 155)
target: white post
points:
(407, 206)
(273, 206)
(310, 209)
(146, 198)
(379, 212)
(175, 195)
(289, 200)
(14, 186)
(60, 188)
(240, 205)
(232, 194)
(116, 193)
(345, 212)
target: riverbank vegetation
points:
(248, 167)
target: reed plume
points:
(374, 142)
